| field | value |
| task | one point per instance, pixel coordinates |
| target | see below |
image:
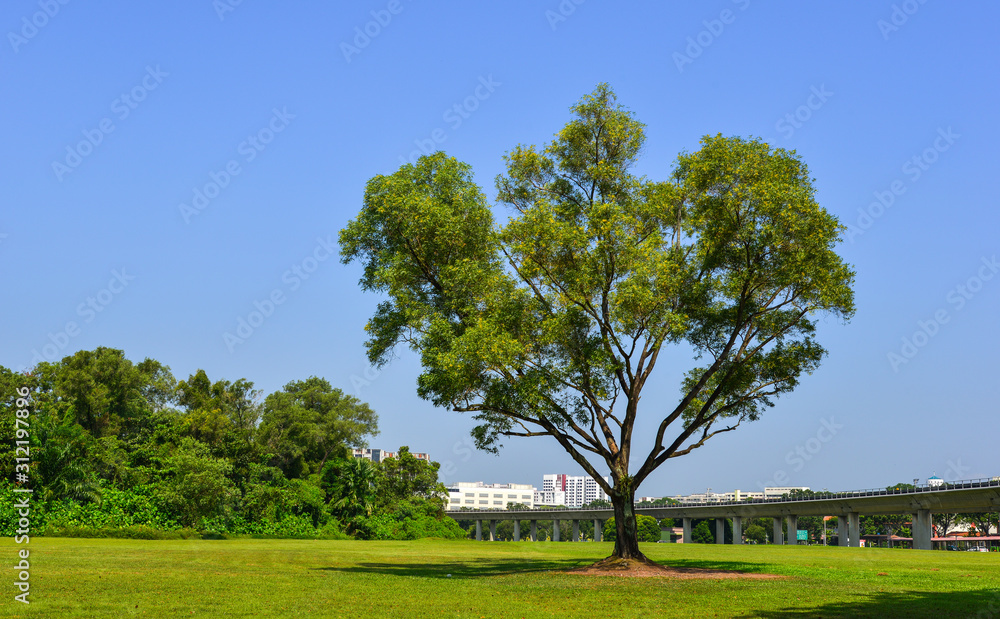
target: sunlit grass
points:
(298, 578)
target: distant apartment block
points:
(378, 455)
(477, 495)
(569, 490)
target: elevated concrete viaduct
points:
(981, 495)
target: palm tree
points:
(63, 466)
(354, 489)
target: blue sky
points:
(170, 169)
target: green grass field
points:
(294, 578)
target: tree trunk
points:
(627, 540)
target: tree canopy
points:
(308, 420)
(552, 323)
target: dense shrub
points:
(131, 532)
(649, 529)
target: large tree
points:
(552, 324)
(106, 393)
(406, 476)
(308, 421)
(224, 415)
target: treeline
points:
(123, 448)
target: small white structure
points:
(934, 481)
(550, 497)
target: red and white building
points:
(569, 490)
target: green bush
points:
(702, 534)
(756, 533)
(130, 532)
(649, 529)
(117, 509)
(414, 518)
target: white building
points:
(569, 490)
(776, 493)
(378, 455)
(736, 495)
(477, 495)
(550, 497)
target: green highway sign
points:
(802, 536)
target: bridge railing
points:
(982, 482)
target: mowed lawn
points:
(295, 578)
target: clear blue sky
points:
(164, 97)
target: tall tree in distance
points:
(306, 422)
(216, 409)
(223, 415)
(406, 476)
(552, 324)
(106, 393)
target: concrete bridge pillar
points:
(686, 523)
(576, 531)
(776, 530)
(534, 530)
(493, 530)
(922, 530)
(517, 530)
(720, 530)
(854, 529)
(737, 530)
(842, 530)
(598, 530)
(479, 530)
(792, 526)
(555, 530)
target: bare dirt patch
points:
(637, 568)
